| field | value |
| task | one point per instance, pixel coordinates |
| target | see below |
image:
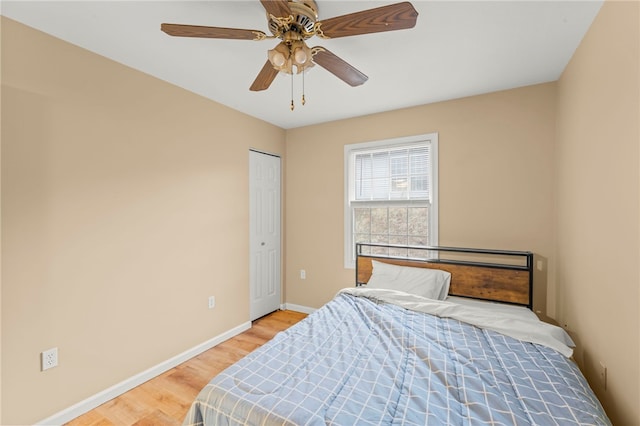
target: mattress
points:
(372, 357)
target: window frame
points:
(432, 139)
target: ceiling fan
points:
(293, 22)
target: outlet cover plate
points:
(49, 358)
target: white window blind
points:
(392, 174)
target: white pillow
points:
(431, 283)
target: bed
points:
(443, 337)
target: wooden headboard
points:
(477, 273)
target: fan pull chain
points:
(303, 101)
(292, 106)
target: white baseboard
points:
(100, 398)
(298, 308)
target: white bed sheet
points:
(497, 307)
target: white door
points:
(264, 233)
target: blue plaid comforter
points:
(361, 362)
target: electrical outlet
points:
(303, 274)
(49, 359)
(603, 375)
(212, 302)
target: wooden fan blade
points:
(277, 8)
(180, 30)
(393, 17)
(338, 67)
(265, 77)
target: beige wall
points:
(496, 159)
(0, 230)
(598, 244)
(124, 206)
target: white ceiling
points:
(457, 49)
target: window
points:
(391, 193)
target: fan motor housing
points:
(304, 14)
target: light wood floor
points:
(165, 399)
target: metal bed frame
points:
(437, 262)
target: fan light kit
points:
(293, 22)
